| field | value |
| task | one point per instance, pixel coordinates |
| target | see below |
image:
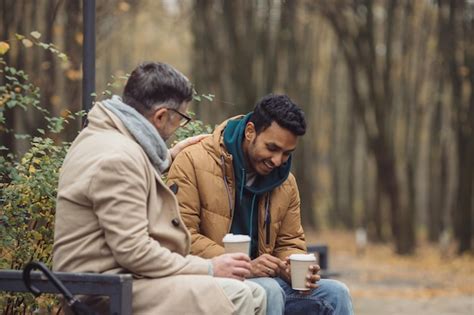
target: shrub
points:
(28, 183)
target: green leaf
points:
(63, 56)
(12, 103)
(43, 45)
(208, 97)
(22, 136)
(35, 34)
(27, 43)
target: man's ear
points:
(159, 118)
(250, 132)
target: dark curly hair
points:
(282, 110)
(154, 83)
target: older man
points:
(115, 215)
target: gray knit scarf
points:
(143, 131)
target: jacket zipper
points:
(268, 219)
(228, 193)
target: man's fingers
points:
(268, 271)
(241, 272)
(184, 143)
(197, 138)
(314, 268)
(240, 256)
(241, 264)
(272, 262)
(270, 265)
(311, 285)
(313, 278)
(273, 259)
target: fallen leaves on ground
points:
(380, 273)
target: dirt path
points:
(383, 283)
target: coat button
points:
(174, 188)
(175, 222)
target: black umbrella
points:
(76, 306)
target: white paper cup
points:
(236, 243)
(299, 270)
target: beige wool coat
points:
(115, 215)
(204, 176)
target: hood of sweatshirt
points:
(233, 138)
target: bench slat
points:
(117, 287)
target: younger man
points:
(238, 180)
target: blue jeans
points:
(275, 295)
(330, 298)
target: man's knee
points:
(336, 288)
(272, 287)
(247, 298)
(275, 294)
(235, 290)
(258, 293)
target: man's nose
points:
(277, 160)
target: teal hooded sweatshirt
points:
(245, 219)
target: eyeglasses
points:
(185, 119)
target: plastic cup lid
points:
(236, 238)
(303, 257)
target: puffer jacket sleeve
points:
(290, 238)
(119, 196)
(182, 173)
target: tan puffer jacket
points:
(203, 178)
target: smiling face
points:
(269, 149)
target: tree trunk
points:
(454, 22)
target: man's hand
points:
(311, 278)
(235, 265)
(266, 266)
(184, 143)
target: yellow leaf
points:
(36, 34)
(26, 42)
(4, 47)
(32, 169)
(79, 38)
(124, 6)
(74, 75)
(63, 56)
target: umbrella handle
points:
(42, 267)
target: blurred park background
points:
(388, 91)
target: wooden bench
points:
(117, 287)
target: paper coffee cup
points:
(299, 270)
(237, 243)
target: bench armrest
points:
(118, 287)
